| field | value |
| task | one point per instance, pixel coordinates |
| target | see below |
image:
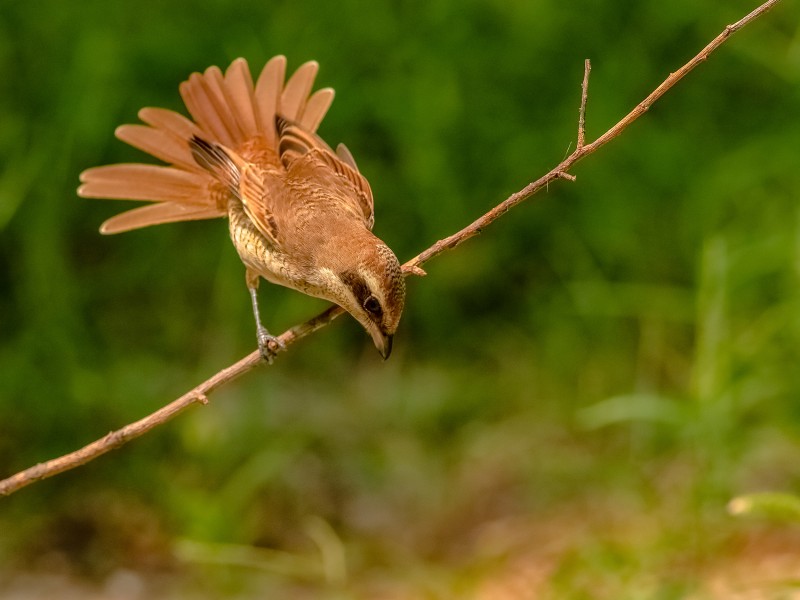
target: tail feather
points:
(206, 104)
(170, 121)
(145, 182)
(157, 214)
(226, 109)
(241, 98)
(268, 91)
(159, 143)
(296, 91)
(316, 108)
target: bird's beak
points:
(383, 343)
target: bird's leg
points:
(268, 345)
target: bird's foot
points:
(268, 345)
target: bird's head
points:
(371, 287)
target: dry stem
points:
(199, 394)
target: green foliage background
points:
(579, 391)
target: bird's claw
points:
(268, 345)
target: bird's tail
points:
(228, 109)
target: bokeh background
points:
(575, 396)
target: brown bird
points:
(300, 215)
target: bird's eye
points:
(373, 306)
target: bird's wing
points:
(295, 143)
(244, 180)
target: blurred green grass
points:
(575, 395)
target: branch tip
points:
(415, 270)
(565, 175)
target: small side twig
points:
(199, 395)
(587, 68)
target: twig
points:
(199, 395)
(587, 68)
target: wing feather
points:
(296, 143)
(244, 180)
(343, 152)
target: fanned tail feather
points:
(228, 109)
(157, 214)
(144, 182)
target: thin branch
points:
(199, 395)
(587, 68)
(675, 77)
(561, 170)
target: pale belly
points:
(259, 255)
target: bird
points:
(300, 214)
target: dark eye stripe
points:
(356, 283)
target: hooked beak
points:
(383, 343)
